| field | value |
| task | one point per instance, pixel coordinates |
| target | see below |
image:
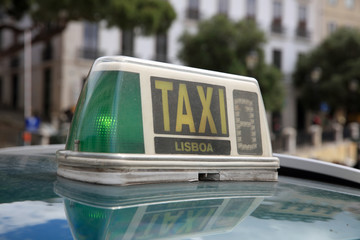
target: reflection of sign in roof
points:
(159, 221)
(128, 196)
(306, 202)
(297, 212)
(158, 211)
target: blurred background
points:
(305, 55)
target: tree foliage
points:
(225, 46)
(152, 16)
(336, 63)
(50, 17)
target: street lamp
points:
(353, 88)
(27, 74)
(353, 85)
(316, 74)
(252, 59)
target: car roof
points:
(37, 204)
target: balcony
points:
(89, 53)
(14, 62)
(161, 57)
(276, 26)
(127, 52)
(302, 32)
(47, 53)
(251, 17)
(193, 14)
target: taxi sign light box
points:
(141, 121)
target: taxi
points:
(143, 121)
(157, 151)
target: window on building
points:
(193, 9)
(277, 10)
(302, 14)
(14, 62)
(277, 17)
(223, 7)
(47, 82)
(161, 47)
(1, 91)
(47, 53)
(251, 9)
(15, 90)
(1, 39)
(331, 27)
(277, 58)
(90, 50)
(350, 4)
(301, 30)
(127, 43)
(300, 55)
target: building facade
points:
(336, 13)
(60, 64)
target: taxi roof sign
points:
(141, 121)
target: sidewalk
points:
(344, 153)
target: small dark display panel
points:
(247, 123)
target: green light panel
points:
(108, 116)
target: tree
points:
(50, 17)
(330, 73)
(233, 47)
